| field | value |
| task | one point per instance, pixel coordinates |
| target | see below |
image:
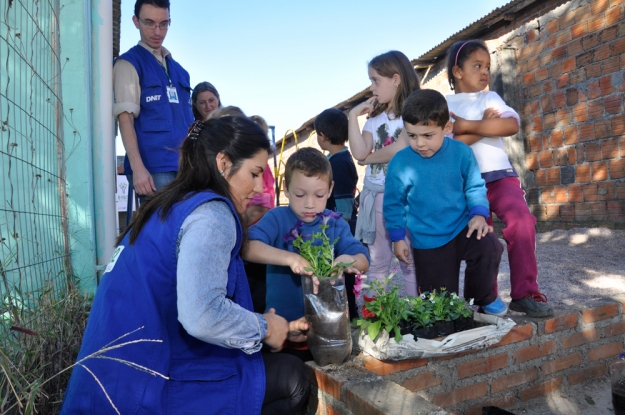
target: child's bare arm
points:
(385, 154)
(360, 262)
(360, 144)
(262, 253)
(490, 127)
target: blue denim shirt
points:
(203, 309)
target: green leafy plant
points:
(459, 307)
(317, 248)
(384, 311)
(420, 313)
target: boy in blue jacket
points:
(435, 189)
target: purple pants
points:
(507, 201)
(381, 253)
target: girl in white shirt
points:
(481, 119)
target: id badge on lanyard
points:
(172, 94)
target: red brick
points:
(422, 381)
(593, 151)
(575, 195)
(513, 379)
(540, 178)
(326, 382)
(577, 339)
(570, 135)
(553, 176)
(582, 212)
(528, 78)
(567, 213)
(590, 192)
(579, 30)
(546, 103)
(617, 169)
(540, 74)
(593, 71)
(569, 64)
(566, 321)
(477, 367)
(609, 149)
(608, 34)
(595, 108)
(517, 334)
(618, 125)
(455, 396)
(534, 352)
(561, 363)
(611, 65)
(596, 23)
(536, 143)
(613, 16)
(615, 329)
(616, 211)
(562, 80)
(605, 84)
(587, 132)
(601, 53)
(605, 351)
(563, 38)
(587, 374)
(537, 124)
(572, 155)
(563, 116)
(614, 104)
(544, 388)
(600, 313)
(599, 171)
(620, 191)
(605, 190)
(531, 161)
(546, 195)
(580, 112)
(560, 194)
(617, 47)
(582, 173)
(546, 159)
(598, 6)
(383, 368)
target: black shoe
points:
(533, 305)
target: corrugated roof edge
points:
(498, 17)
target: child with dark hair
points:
(481, 119)
(331, 126)
(434, 189)
(307, 185)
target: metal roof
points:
(499, 17)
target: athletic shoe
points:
(533, 305)
(496, 308)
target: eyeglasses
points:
(152, 24)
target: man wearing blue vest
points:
(152, 102)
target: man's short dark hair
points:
(426, 106)
(310, 162)
(163, 4)
(333, 124)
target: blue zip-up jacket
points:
(138, 296)
(161, 125)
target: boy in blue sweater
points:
(435, 189)
(308, 184)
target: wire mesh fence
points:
(33, 220)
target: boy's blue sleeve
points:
(395, 199)
(347, 244)
(265, 230)
(474, 186)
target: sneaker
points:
(496, 308)
(533, 305)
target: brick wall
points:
(536, 358)
(570, 79)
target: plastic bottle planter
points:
(329, 333)
(617, 375)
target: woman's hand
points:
(363, 108)
(277, 330)
(297, 330)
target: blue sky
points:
(289, 60)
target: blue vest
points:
(161, 126)
(138, 296)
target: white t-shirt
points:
(488, 151)
(385, 131)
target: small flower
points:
(331, 214)
(471, 301)
(622, 356)
(388, 141)
(358, 285)
(423, 296)
(294, 232)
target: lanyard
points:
(166, 69)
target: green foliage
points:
(319, 252)
(384, 311)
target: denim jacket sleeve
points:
(206, 238)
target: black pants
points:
(440, 267)
(257, 279)
(288, 384)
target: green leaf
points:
(374, 329)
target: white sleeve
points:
(493, 100)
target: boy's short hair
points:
(426, 106)
(333, 124)
(310, 162)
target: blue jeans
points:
(160, 180)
